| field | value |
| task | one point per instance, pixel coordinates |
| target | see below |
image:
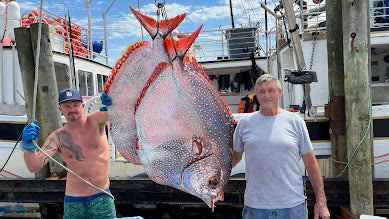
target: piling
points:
(356, 53)
(336, 110)
(47, 86)
(27, 66)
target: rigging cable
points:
(13, 149)
(162, 8)
(34, 105)
(364, 136)
(245, 11)
(141, 27)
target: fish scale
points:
(128, 78)
(191, 110)
(121, 116)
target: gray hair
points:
(265, 78)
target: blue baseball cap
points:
(69, 94)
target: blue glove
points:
(105, 100)
(30, 132)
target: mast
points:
(232, 16)
(301, 68)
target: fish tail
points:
(153, 28)
(129, 50)
(181, 45)
(157, 71)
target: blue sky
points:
(123, 28)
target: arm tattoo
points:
(66, 141)
(46, 147)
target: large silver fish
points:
(184, 128)
(128, 78)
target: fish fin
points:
(150, 24)
(127, 53)
(157, 71)
(190, 60)
(181, 44)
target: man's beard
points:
(73, 116)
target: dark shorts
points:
(96, 206)
(297, 212)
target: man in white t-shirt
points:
(274, 141)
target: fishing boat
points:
(234, 57)
(90, 74)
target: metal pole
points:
(270, 11)
(280, 77)
(1, 74)
(105, 31)
(141, 27)
(105, 37)
(267, 42)
(13, 74)
(90, 45)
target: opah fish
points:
(128, 78)
(185, 128)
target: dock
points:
(140, 195)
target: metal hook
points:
(159, 4)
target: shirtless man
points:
(84, 147)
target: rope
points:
(164, 15)
(336, 161)
(364, 136)
(75, 174)
(13, 149)
(37, 55)
(34, 103)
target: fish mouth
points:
(197, 160)
(185, 169)
(201, 173)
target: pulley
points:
(300, 76)
(159, 4)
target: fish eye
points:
(213, 183)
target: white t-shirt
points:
(273, 147)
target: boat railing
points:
(229, 44)
(240, 43)
(312, 17)
(379, 15)
(60, 31)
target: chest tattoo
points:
(66, 141)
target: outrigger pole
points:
(72, 78)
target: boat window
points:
(90, 84)
(62, 76)
(86, 85)
(101, 79)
